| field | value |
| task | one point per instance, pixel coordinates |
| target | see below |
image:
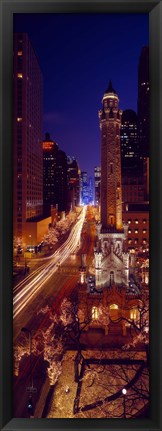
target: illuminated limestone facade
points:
(111, 256)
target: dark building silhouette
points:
(144, 114)
(73, 183)
(27, 136)
(54, 177)
(61, 181)
(143, 101)
(129, 139)
(50, 151)
(132, 166)
(91, 190)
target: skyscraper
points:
(84, 192)
(129, 139)
(50, 150)
(143, 101)
(144, 114)
(131, 162)
(27, 134)
(61, 181)
(55, 180)
(73, 182)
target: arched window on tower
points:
(111, 168)
(111, 278)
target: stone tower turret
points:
(111, 192)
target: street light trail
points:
(47, 258)
(22, 298)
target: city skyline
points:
(76, 73)
(80, 272)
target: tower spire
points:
(110, 88)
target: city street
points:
(59, 285)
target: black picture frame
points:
(7, 9)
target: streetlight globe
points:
(124, 391)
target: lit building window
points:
(144, 221)
(136, 230)
(19, 53)
(136, 221)
(144, 241)
(114, 307)
(133, 314)
(129, 221)
(130, 241)
(94, 313)
(20, 75)
(129, 230)
(19, 119)
(144, 231)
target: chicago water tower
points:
(111, 257)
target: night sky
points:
(78, 54)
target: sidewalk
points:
(61, 405)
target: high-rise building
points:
(27, 135)
(54, 177)
(50, 151)
(84, 192)
(61, 181)
(143, 101)
(73, 182)
(131, 163)
(129, 139)
(144, 114)
(91, 191)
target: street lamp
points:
(124, 391)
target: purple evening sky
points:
(78, 54)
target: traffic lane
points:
(52, 288)
(48, 295)
(30, 289)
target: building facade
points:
(132, 166)
(143, 110)
(129, 139)
(143, 101)
(27, 135)
(136, 216)
(84, 192)
(55, 177)
(50, 150)
(73, 183)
